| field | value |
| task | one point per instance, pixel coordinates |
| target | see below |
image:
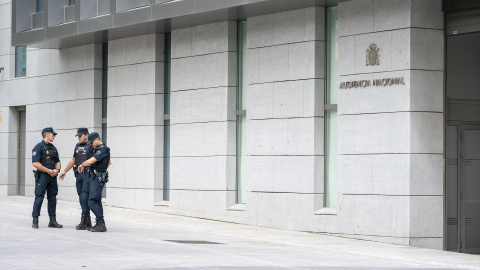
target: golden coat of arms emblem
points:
(373, 55)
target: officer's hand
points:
(62, 175)
(80, 169)
(52, 173)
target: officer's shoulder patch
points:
(99, 152)
(34, 153)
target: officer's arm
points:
(89, 162)
(86, 163)
(109, 163)
(40, 167)
(58, 166)
(69, 165)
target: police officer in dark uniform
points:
(96, 168)
(81, 154)
(46, 160)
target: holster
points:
(36, 175)
(102, 177)
(75, 170)
(89, 172)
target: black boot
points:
(35, 223)
(100, 226)
(53, 223)
(83, 223)
(89, 223)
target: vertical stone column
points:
(8, 129)
(7, 53)
(391, 136)
(9, 152)
(135, 120)
(285, 97)
(203, 96)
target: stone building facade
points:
(339, 137)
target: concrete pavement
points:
(146, 240)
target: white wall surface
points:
(391, 137)
(135, 121)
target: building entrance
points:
(463, 188)
(463, 143)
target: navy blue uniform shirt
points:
(45, 153)
(100, 153)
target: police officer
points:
(46, 160)
(81, 154)
(96, 167)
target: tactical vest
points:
(49, 156)
(82, 153)
(102, 165)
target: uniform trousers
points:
(47, 184)
(95, 197)
(83, 190)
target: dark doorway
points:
(463, 143)
(22, 120)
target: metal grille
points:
(452, 161)
(452, 221)
(472, 221)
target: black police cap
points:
(81, 131)
(49, 129)
(92, 136)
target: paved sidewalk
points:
(139, 240)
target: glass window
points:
(20, 61)
(104, 100)
(241, 111)
(331, 108)
(39, 6)
(166, 123)
(71, 2)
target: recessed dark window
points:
(20, 61)
(39, 7)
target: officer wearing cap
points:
(46, 160)
(80, 154)
(96, 168)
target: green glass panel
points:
(242, 66)
(241, 157)
(241, 105)
(332, 55)
(21, 61)
(166, 160)
(331, 159)
(167, 72)
(104, 99)
(331, 115)
(166, 106)
(39, 6)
